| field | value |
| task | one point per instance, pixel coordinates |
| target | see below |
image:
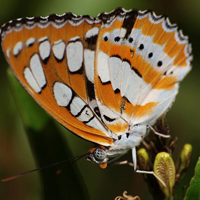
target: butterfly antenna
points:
(75, 159)
(41, 168)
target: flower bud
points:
(143, 159)
(164, 168)
(184, 158)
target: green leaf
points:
(193, 192)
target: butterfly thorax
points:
(122, 145)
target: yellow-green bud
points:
(164, 168)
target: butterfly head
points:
(98, 155)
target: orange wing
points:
(140, 60)
(53, 58)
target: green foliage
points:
(193, 192)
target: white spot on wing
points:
(116, 33)
(89, 64)
(122, 32)
(133, 89)
(85, 115)
(62, 94)
(115, 72)
(137, 91)
(37, 70)
(17, 48)
(167, 62)
(135, 34)
(59, 49)
(124, 78)
(44, 49)
(31, 80)
(146, 41)
(102, 67)
(77, 105)
(74, 56)
(43, 39)
(8, 52)
(96, 124)
(30, 42)
(92, 32)
(106, 35)
(73, 39)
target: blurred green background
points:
(85, 178)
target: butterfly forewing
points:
(48, 59)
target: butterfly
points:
(107, 79)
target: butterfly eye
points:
(99, 154)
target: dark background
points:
(16, 155)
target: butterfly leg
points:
(150, 172)
(124, 162)
(160, 134)
(134, 156)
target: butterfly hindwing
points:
(139, 67)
